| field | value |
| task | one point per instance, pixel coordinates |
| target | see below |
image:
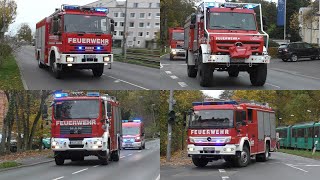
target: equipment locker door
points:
(252, 129)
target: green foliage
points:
(9, 74)
(25, 33)
(8, 164)
(10, 11)
(5, 51)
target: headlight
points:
(191, 149)
(70, 59)
(95, 147)
(137, 138)
(54, 143)
(174, 52)
(106, 59)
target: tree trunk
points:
(17, 119)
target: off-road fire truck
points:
(176, 43)
(75, 37)
(85, 125)
(226, 37)
(230, 130)
(133, 134)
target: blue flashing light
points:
(124, 121)
(98, 48)
(101, 9)
(250, 6)
(71, 7)
(80, 48)
(95, 94)
(214, 103)
(60, 95)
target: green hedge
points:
(273, 51)
(5, 51)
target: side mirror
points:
(44, 111)
(193, 18)
(265, 28)
(243, 123)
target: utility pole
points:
(319, 26)
(124, 40)
(285, 17)
(171, 101)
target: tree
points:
(226, 94)
(8, 13)
(25, 33)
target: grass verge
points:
(9, 164)
(141, 63)
(10, 77)
(303, 153)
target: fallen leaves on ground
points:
(179, 158)
(20, 156)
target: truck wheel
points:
(116, 155)
(233, 72)
(284, 60)
(171, 57)
(104, 158)
(200, 162)
(97, 72)
(258, 75)
(244, 158)
(144, 146)
(40, 65)
(264, 156)
(59, 160)
(192, 71)
(206, 74)
(55, 70)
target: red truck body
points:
(176, 42)
(133, 134)
(75, 37)
(232, 131)
(85, 125)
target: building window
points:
(149, 15)
(147, 34)
(121, 33)
(115, 23)
(140, 34)
(158, 15)
(122, 14)
(121, 24)
(141, 25)
(158, 5)
(148, 25)
(150, 5)
(156, 24)
(115, 14)
(131, 24)
(142, 15)
(132, 15)
(135, 5)
(138, 42)
(115, 33)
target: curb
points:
(164, 55)
(17, 167)
(25, 86)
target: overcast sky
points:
(212, 93)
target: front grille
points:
(76, 146)
(90, 60)
(75, 130)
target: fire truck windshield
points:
(86, 24)
(214, 118)
(130, 130)
(178, 36)
(230, 20)
(76, 109)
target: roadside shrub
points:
(272, 51)
(273, 44)
(5, 51)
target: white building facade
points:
(143, 21)
(308, 29)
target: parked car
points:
(294, 51)
(46, 143)
(13, 144)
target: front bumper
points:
(253, 59)
(132, 145)
(85, 59)
(87, 144)
(228, 149)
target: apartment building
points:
(143, 21)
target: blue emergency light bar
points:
(60, 95)
(102, 9)
(135, 120)
(93, 94)
(70, 7)
(214, 103)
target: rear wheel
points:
(294, 58)
(40, 65)
(265, 156)
(192, 71)
(258, 75)
(98, 71)
(200, 162)
(205, 72)
(171, 57)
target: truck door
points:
(252, 129)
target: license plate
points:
(75, 142)
(208, 148)
(237, 60)
(89, 56)
(128, 145)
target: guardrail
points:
(143, 55)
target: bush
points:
(5, 51)
(273, 44)
(273, 51)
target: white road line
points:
(174, 77)
(290, 165)
(225, 177)
(129, 154)
(182, 84)
(312, 165)
(58, 178)
(161, 66)
(80, 171)
(128, 82)
(122, 157)
(273, 85)
(96, 166)
(139, 151)
(158, 178)
(222, 170)
(168, 72)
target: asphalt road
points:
(303, 74)
(133, 165)
(122, 76)
(280, 167)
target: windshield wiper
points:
(238, 27)
(218, 26)
(82, 32)
(96, 32)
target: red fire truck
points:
(133, 134)
(176, 42)
(230, 130)
(75, 37)
(226, 37)
(85, 125)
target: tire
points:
(104, 158)
(200, 162)
(285, 60)
(233, 72)
(205, 72)
(144, 146)
(313, 57)
(265, 156)
(294, 58)
(192, 71)
(258, 75)
(56, 72)
(59, 161)
(244, 158)
(97, 72)
(116, 156)
(171, 57)
(40, 65)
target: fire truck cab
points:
(176, 42)
(85, 125)
(231, 131)
(75, 37)
(226, 37)
(133, 135)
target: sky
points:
(212, 93)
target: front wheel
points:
(57, 73)
(59, 160)
(244, 158)
(206, 73)
(258, 75)
(284, 60)
(116, 155)
(104, 158)
(98, 71)
(200, 162)
(192, 71)
(294, 58)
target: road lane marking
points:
(129, 154)
(128, 82)
(122, 157)
(222, 170)
(174, 77)
(139, 151)
(182, 84)
(58, 178)
(273, 85)
(225, 177)
(158, 178)
(290, 165)
(80, 171)
(168, 72)
(96, 166)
